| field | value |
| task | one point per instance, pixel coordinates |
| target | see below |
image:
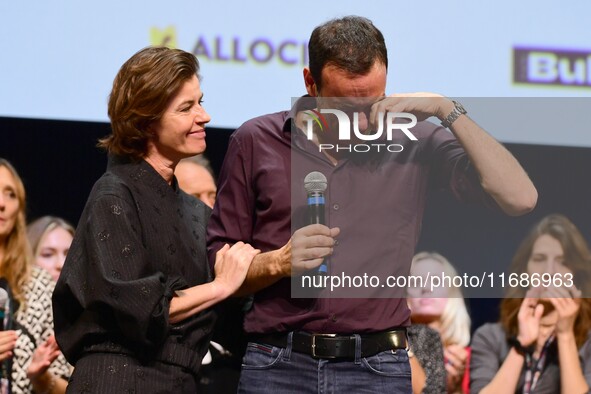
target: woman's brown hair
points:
(577, 258)
(38, 228)
(15, 264)
(141, 92)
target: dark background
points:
(59, 163)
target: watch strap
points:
(519, 348)
(454, 114)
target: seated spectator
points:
(50, 237)
(443, 310)
(27, 346)
(542, 343)
(195, 177)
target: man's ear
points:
(310, 84)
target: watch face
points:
(460, 107)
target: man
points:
(195, 177)
(352, 345)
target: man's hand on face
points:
(422, 104)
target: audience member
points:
(443, 310)
(27, 346)
(50, 237)
(542, 343)
(195, 177)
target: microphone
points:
(315, 184)
(3, 309)
(5, 324)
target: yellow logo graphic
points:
(163, 37)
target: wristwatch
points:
(457, 111)
(519, 348)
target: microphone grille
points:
(315, 182)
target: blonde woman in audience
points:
(50, 238)
(28, 348)
(443, 310)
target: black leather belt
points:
(329, 346)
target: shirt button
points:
(336, 242)
(333, 318)
(335, 207)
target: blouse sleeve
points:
(585, 357)
(110, 286)
(428, 349)
(484, 359)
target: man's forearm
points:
(502, 177)
(266, 269)
(308, 247)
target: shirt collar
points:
(141, 170)
(302, 103)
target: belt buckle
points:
(314, 336)
(397, 341)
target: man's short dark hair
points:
(352, 44)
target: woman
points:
(27, 345)
(541, 344)
(131, 304)
(50, 237)
(443, 310)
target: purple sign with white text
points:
(544, 66)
